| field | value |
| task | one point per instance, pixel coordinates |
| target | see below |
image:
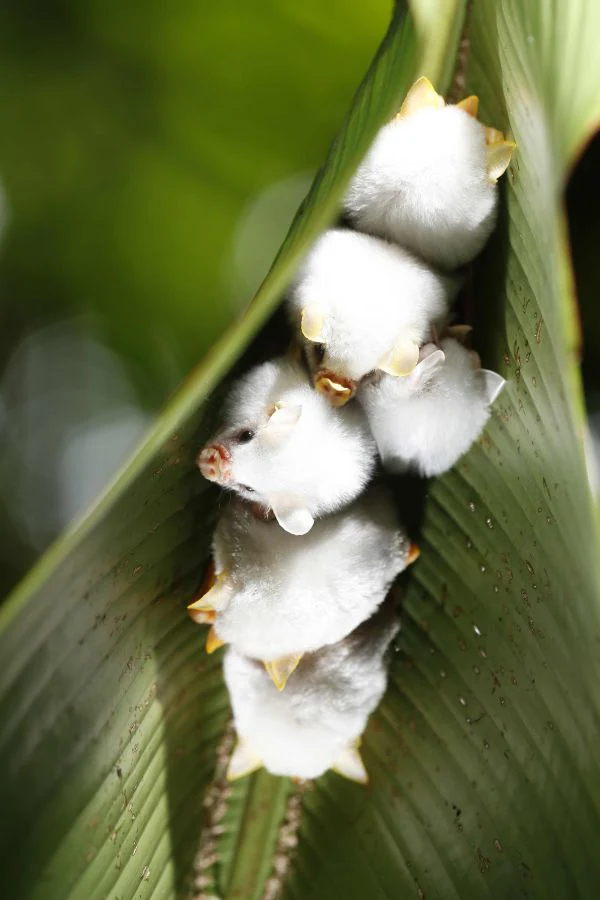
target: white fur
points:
(302, 731)
(370, 293)
(424, 185)
(289, 595)
(429, 419)
(317, 465)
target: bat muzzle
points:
(336, 388)
(214, 462)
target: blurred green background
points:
(151, 158)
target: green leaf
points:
(484, 770)
(483, 757)
(111, 713)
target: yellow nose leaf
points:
(279, 670)
(421, 96)
(337, 394)
(470, 105)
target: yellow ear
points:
(413, 554)
(349, 764)
(217, 597)
(279, 670)
(498, 158)
(470, 105)
(402, 358)
(492, 135)
(311, 325)
(213, 641)
(421, 95)
(243, 761)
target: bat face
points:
(429, 179)
(283, 447)
(427, 421)
(361, 305)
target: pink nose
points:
(214, 463)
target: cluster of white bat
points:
(373, 308)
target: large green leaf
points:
(483, 757)
(484, 778)
(110, 711)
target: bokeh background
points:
(151, 158)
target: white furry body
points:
(428, 420)
(369, 293)
(290, 595)
(302, 731)
(317, 465)
(424, 185)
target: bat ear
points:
(292, 517)
(350, 765)
(421, 95)
(493, 384)
(216, 598)
(243, 761)
(470, 105)
(279, 670)
(402, 358)
(429, 365)
(213, 641)
(282, 421)
(498, 157)
(312, 323)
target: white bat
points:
(283, 447)
(428, 420)
(316, 724)
(363, 304)
(429, 180)
(277, 597)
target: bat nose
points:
(336, 388)
(214, 463)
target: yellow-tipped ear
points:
(470, 105)
(492, 135)
(216, 598)
(349, 764)
(498, 158)
(402, 358)
(413, 554)
(421, 95)
(311, 325)
(213, 641)
(279, 670)
(243, 761)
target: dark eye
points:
(244, 437)
(319, 352)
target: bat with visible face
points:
(277, 597)
(363, 305)
(317, 722)
(429, 180)
(283, 447)
(428, 420)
